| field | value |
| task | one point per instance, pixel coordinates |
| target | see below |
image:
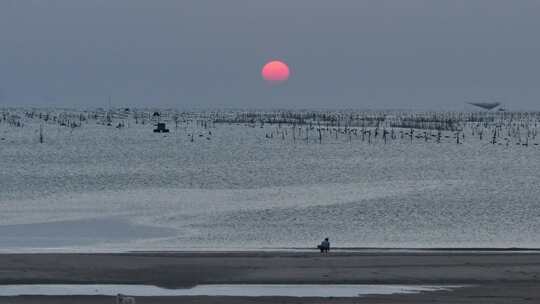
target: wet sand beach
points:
(487, 276)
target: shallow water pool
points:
(218, 290)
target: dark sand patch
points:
(495, 277)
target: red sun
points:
(275, 72)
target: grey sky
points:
(430, 54)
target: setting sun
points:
(275, 72)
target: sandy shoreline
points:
(493, 277)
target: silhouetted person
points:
(324, 246)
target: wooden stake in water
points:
(41, 139)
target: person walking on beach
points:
(324, 246)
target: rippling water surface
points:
(102, 188)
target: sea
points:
(237, 186)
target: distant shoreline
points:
(335, 250)
(423, 248)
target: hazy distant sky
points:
(418, 54)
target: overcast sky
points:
(406, 54)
